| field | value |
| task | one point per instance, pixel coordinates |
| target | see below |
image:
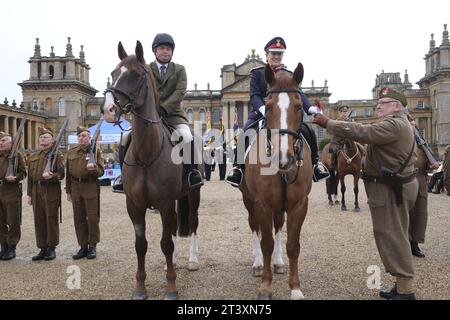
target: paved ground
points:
(336, 250)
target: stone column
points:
(6, 124)
(36, 136)
(245, 106)
(14, 126)
(29, 135)
(232, 114)
(22, 139)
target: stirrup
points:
(324, 173)
(234, 183)
(198, 184)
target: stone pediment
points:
(242, 85)
(247, 66)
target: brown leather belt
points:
(383, 180)
(83, 180)
(45, 182)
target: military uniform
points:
(10, 205)
(84, 189)
(446, 170)
(391, 144)
(337, 141)
(46, 199)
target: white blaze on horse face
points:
(283, 104)
(109, 107)
(123, 69)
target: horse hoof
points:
(171, 295)
(139, 295)
(193, 266)
(357, 209)
(279, 269)
(297, 295)
(336, 201)
(330, 203)
(257, 271)
(264, 296)
(343, 208)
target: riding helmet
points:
(163, 38)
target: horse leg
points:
(137, 216)
(257, 266)
(342, 180)
(267, 244)
(169, 223)
(356, 191)
(294, 225)
(194, 202)
(278, 264)
(328, 184)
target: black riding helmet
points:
(163, 38)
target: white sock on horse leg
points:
(277, 258)
(193, 250)
(256, 250)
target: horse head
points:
(284, 114)
(129, 78)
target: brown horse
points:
(332, 182)
(150, 176)
(282, 183)
(349, 161)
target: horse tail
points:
(183, 216)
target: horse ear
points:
(298, 73)
(121, 50)
(269, 76)
(139, 52)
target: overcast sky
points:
(347, 42)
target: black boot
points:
(50, 254)
(80, 254)
(415, 250)
(319, 170)
(389, 293)
(4, 247)
(10, 253)
(91, 252)
(40, 255)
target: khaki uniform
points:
(171, 91)
(11, 200)
(390, 142)
(446, 170)
(46, 197)
(418, 215)
(84, 189)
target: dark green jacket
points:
(171, 91)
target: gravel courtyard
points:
(336, 251)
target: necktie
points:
(162, 72)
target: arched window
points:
(190, 116)
(62, 107)
(35, 105)
(202, 116)
(51, 72)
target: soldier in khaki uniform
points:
(391, 145)
(83, 190)
(418, 215)
(44, 194)
(337, 141)
(10, 199)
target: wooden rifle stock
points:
(424, 146)
(51, 157)
(14, 147)
(93, 146)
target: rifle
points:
(93, 146)
(424, 146)
(15, 145)
(51, 157)
(349, 117)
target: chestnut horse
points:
(282, 183)
(332, 182)
(150, 176)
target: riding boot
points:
(195, 178)
(10, 253)
(125, 140)
(235, 178)
(4, 247)
(415, 250)
(319, 170)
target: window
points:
(190, 116)
(94, 112)
(51, 72)
(35, 105)
(420, 105)
(202, 116)
(216, 114)
(64, 71)
(368, 113)
(62, 107)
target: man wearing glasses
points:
(390, 183)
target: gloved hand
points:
(262, 110)
(320, 119)
(314, 110)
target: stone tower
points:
(437, 81)
(58, 86)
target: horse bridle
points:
(128, 106)
(298, 144)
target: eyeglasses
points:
(385, 102)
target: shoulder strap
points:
(407, 160)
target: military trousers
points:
(10, 222)
(46, 201)
(418, 216)
(86, 215)
(391, 225)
